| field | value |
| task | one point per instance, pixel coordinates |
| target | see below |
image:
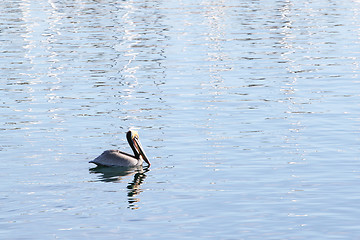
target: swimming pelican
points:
(120, 159)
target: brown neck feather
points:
(131, 143)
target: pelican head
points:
(134, 142)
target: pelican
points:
(116, 158)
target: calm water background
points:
(248, 110)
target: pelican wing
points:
(116, 158)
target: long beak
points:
(141, 150)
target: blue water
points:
(247, 110)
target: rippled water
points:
(248, 111)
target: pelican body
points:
(116, 158)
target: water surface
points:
(248, 111)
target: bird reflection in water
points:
(116, 174)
